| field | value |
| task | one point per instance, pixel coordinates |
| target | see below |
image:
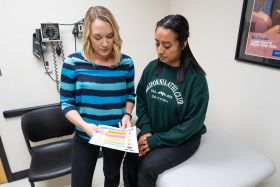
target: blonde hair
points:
(102, 13)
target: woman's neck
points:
(104, 61)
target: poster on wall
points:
(259, 33)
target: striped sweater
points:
(98, 93)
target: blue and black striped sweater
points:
(98, 93)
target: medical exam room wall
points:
(244, 98)
(24, 82)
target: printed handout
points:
(116, 138)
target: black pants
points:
(84, 159)
(144, 171)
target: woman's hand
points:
(143, 144)
(274, 30)
(126, 122)
(91, 129)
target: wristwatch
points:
(126, 113)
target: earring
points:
(185, 43)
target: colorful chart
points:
(116, 138)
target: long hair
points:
(102, 13)
(179, 25)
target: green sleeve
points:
(193, 120)
(143, 121)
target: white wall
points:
(24, 82)
(244, 98)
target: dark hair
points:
(180, 26)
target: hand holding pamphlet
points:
(116, 138)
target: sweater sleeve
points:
(143, 121)
(193, 120)
(130, 93)
(67, 86)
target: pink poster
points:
(263, 38)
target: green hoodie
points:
(173, 112)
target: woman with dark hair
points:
(172, 99)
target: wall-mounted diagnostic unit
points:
(50, 32)
(49, 36)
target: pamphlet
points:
(116, 138)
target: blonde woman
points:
(97, 87)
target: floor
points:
(64, 181)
